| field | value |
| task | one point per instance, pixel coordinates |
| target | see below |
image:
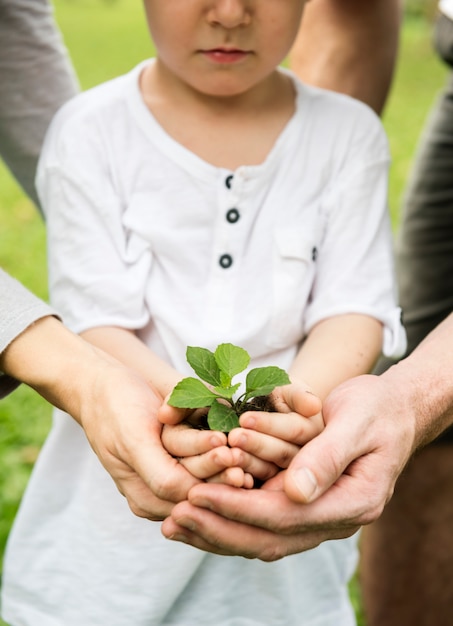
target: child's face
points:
(222, 47)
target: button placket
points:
(226, 261)
(232, 216)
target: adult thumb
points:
(315, 468)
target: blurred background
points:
(106, 38)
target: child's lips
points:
(226, 55)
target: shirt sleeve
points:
(355, 264)
(97, 270)
(18, 310)
(36, 77)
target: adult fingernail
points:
(306, 482)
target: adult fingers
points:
(171, 415)
(208, 531)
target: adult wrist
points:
(52, 360)
(421, 396)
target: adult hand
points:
(118, 413)
(339, 481)
(115, 406)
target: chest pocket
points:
(293, 271)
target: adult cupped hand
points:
(339, 481)
(118, 413)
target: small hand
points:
(277, 436)
(338, 481)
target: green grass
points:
(105, 38)
(419, 77)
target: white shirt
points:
(446, 7)
(143, 234)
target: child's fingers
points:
(235, 477)
(183, 440)
(210, 463)
(290, 427)
(296, 397)
(265, 447)
(257, 467)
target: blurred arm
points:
(36, 78)
(349, 46)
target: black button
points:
(225, 261)
(232, 216)
(314, 254)
(228, 181)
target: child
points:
(207, 196)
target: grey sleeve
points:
(36, 78)
(18, 309)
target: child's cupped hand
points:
(265, 443)
(277, 436)
(207, 456)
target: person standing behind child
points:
(211, 197)
(411, 584)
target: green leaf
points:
(231, 359)
(191, 393)
(222, 417)
(225, 380)
(261, 381)
(204, 364)
(227, 392)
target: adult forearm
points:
(18, 310)
(422, 384)
(53, 361)
(349, 46)
(115, 407)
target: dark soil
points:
(199, 419)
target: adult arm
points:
(18, 309)
(36, 78)
(116, 408)
(349, 46)
(343, 478)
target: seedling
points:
(217, 369)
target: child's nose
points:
(230, 13)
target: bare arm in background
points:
(349, 46)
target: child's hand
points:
(205, 454)
(277, 437)
(199, 451)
